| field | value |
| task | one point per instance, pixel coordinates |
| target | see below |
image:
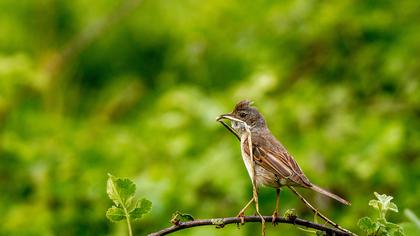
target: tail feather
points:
(331, 195)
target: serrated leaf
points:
(374, 203)
(131, 204)
(399, 233)
(121, 191)
(394, 229)
(115, 214)
(392, 225)
(143, 207)
(392, 207)
(187, 217)
(366, 224)
(181, 217)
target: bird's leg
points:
(255, 193)
(241, 214)
(276, 211)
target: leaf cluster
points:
(180, 217)
(381, 226)
(126, 206)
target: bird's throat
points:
(239, 127)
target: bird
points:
(267, 161)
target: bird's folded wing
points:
(279, 162)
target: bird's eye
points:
(242, 114)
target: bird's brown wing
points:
(272, 156)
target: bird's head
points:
(244, 113)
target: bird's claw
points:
(241, 216)
(275, 215)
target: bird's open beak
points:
(229, 117)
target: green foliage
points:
(121, 192)
(180, 217)
(290, 214)
(381, 226)
(383, 204)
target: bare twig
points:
(317, 213)
(230, 129)
(221, 222)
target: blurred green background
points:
(133, 88)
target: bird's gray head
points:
(244, 112)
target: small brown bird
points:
(273, 165)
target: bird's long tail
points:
(331, 195)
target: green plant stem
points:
(127, 216)
(130, 232)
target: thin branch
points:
(221, 222)
(230, 129)
(317, 212)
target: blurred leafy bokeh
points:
(133, 88)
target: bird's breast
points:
(262, 176)
(245, 157)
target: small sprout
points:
(180, 217)
(383, 204)
(121, 192)
(290, 214)
(218, 222)
(381, 226)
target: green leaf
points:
(142, 207)
(365, 223)
(181, 217)
(187, 217)
(394, 229)
(374, 203)
(121, 191)
(291, 215)
(115, 214)
(384, 200)
(368, 225)
(390, 225)
(393, 207)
